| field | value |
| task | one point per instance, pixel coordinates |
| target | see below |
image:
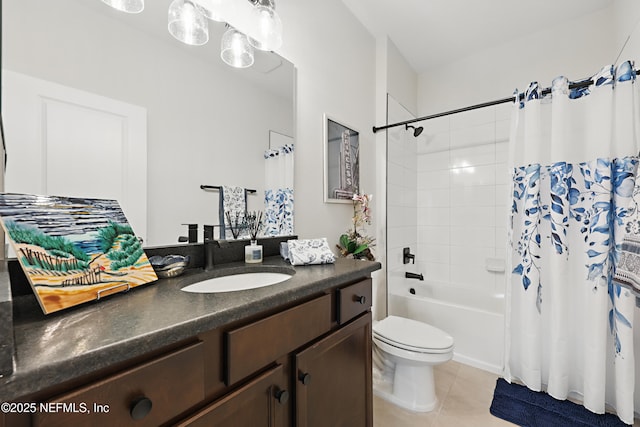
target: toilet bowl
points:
(405, 352)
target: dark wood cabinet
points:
(262, 402)
(333, 379)
(305, 364)
(149, 394)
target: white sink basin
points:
(237, 282)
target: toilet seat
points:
(411, 335)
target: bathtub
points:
(475, 320)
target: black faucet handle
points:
(408, 256)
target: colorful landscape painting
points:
(73, 250)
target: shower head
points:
(416, 130)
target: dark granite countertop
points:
(65, 345)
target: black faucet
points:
(193, 234)
(408, 256)
(208, 243)
(413, 276)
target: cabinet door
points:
(262, 402)
(333, 379)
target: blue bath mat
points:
(527, 408)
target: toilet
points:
(405, 352)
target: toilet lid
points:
(411, 333)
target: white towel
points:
(310, 251)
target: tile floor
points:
(464, 394)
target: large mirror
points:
(201, 121)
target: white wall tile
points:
(502, 152)
(473, 118)
(503, 194)
(439, 198)
(434, 216)
(432, 253)
(437, 125)
(434, 271)
(473, 175)
(394, 195)
(503, 111)
(433, 235)
(395, 174)
(472, 196)
(473, 236)
(434, 142)
(480, 216)
(461, 198)
(471, 136)
(433, 180)
(433, 161)
(473, 156)
(503, 130)
(502, 176)
(466, 255)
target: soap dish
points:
(169, 266)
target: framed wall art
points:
(341, 161)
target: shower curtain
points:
(278, 195)
(574, 162)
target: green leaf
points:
(360, 249)
(344, 240)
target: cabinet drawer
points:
(256, 345)
(353, 300)
(264, 401)
(170, 384)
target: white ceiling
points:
(430, 33)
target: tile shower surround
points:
(447, 198)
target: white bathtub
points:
(475, 320)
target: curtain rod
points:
(577, 85)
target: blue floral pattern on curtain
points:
(595, 199)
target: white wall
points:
(576, 49)
(195, 110)
(402, 81)
(627, 29)
(335, 60)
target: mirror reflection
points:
(103, 104)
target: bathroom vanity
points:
(293, 353)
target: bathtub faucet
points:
(413, 276)
(408, 256)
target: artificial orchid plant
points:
(353, 243)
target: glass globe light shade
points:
(235, 49)
(187, 24)
(129, 6)
(217, 10)
(268, 27)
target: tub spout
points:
(413, 276)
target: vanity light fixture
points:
(187, 23)
(235, 49)
(129, 6)
(217, 10)
(267, 24)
